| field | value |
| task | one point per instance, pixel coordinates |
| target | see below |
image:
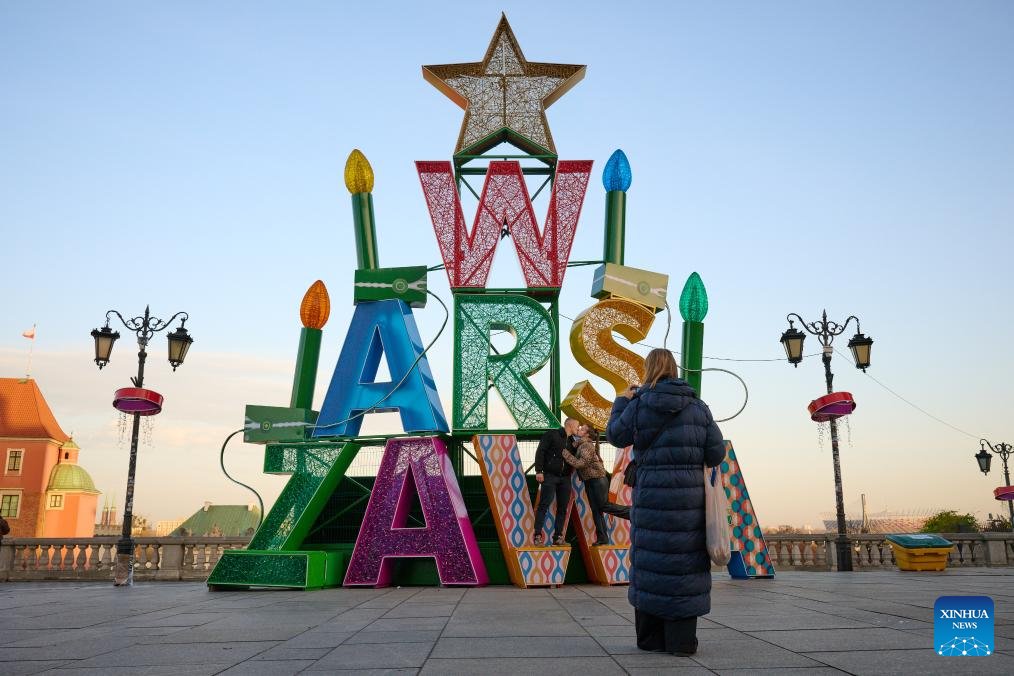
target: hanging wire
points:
(221, 461)
(668, 324)
(447, 316)
(655, 347)
(915, 406)
(746, 390)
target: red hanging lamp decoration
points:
(1004, 493)
(831, 406)
(137, 400)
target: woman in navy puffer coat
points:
(674, 437)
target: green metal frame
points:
(480, 149)
(316, 468)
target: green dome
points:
(69, 477)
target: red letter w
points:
(505, 203)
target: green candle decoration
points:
(616, 180)
(359, 181)
(313, 313)
(693, 309)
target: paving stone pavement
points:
(799, 623)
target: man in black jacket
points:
(551, 470)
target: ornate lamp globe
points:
(104, 339)
(792, 341)
(984, 458)
(860, 346)
(179, 345)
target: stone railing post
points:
(6, 561)
(171, 560)
(996, 550)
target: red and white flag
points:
(30, 333)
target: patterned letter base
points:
(504, 479)
(610, 564)
(749, 551)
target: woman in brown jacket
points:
(593, 472)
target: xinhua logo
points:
(963, 626)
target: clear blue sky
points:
(798, 155)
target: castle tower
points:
(43, 491)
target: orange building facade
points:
(43, 490)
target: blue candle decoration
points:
(616, 175)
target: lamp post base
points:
(843, 551)
(123, 572)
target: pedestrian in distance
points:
(588, 462)
(552, 471)
(674, 437)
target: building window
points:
(9, 506)
(66, 456)
(55, 501)
(14, 458)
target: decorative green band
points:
(405, 283)
(301, 569)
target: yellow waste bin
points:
(920, 551)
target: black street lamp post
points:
(984, 459)
(179, 343)
(792, 341)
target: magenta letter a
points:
(416, 465)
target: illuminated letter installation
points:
(382, 328)
(504, 479)
(505, 203)
(474, 367)
(421, 466)
(749, 550)
(273, 558)
(591, 341)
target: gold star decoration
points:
(504, 96)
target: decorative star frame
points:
(504, 96)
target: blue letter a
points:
(381, 328)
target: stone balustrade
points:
(192, 558)
(873, 552)
(164, 558)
